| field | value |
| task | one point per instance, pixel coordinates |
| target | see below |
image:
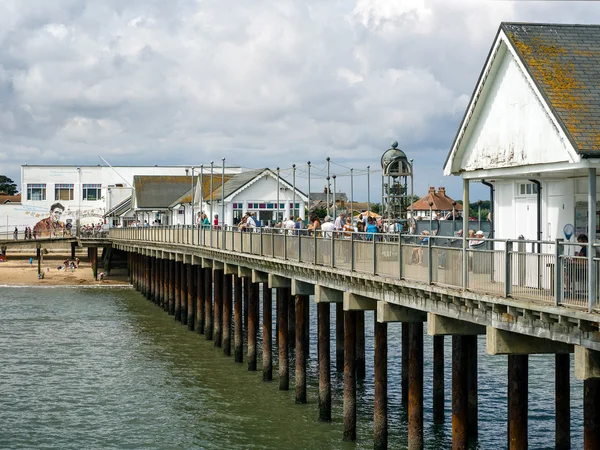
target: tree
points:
(7, 185)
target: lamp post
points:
(193, 196)
(308, 209)
(351, 193)
(368, 191)
(327, 207)
(334, 205)
(212, 166)
(223, 193)
(278, 189)
(430, 215)
(293, 191)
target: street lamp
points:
(334, 205)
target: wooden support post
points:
(252, 326)
(282, 321)
(218, 307)
(152, 261)
(349, 375)
(291, 319)
(238, 337)
(562, 401)
(227, 305)
(518, 391)
(339, 337)
(460, 396)
(591, 414)
(438, 379)
(404, 369)
(94, 259)
(361, 364)
(415, 385)
(208, 306)
(172, 287)
(247, 282)
(301, 302)
(165, 263)
(191, 297)
(161, 291)
(267, 333)
(73, 245)
(473, 403)
(380, 416)
(178, 290)
(200, 299)
(184, 293)
(323, 319)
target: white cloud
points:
(262, 83)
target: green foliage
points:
(7, 185)
(376, 208)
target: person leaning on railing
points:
(314, 223)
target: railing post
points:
(272, 243)
(374, 254)
(507, 268)
(430, 261)
(400, 256)
(299, 246)
(558, 291)
(241, 241)
(352, 252)
(251, 233)
(315, 247)
(285, 252)
(261, 241)
(332, 259)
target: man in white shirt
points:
(290, 225)
(327, 227)
(250, 222)
(339, 222)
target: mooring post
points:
(460, 395)
(184, 293)
(438, 379)
(339, 337)
(172, 290)
(252, 325)
(208, 307)
(218, 306)
(380, 414)
(404, 369)
(291, 320)
(323, 319)
(238, 337)
(199, 299)
(267, 333)
(349, 375)
(415, 385)
(178, 267)
(227, 305)
(191, 297)
(518, 391)
(283, 297)
(301, 302)
(473, 402)
(591, 414)
(361, 364)
(562, 401)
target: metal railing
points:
(542, 271)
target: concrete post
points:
(323, 325)
(350, 375)
(252, 326)
(518, 391)
(191, 297)
(591, 413)
(227, 305)
(562, 401)
(208, 305)
(283, 297)
(460, 394)
(415, 385)
(218, 307)
(178, 290)
(200, 300)
(301, 305)
(339, 337)
(361, 365)
(380, 416)
(267, 333)
(438, 380)
(238, 337)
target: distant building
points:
(318, 200)
(5, 199)
(442, 205)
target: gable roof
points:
(186, 197)
(5, 198)
(120, 208)
(441, 202)
(564, 63)
(159, 191)
(235, 183)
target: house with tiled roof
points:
(437, 203)
(531, 131)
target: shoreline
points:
(18, 271)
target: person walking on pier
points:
(16, 234)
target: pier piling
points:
(324, 347)
(301, 305)
(267, 333)
(460, 395)
(199, 299)
(562, 401)
(404, 368)
(252, 325)
(350, 375)
(361, 364)
(591, 413)
(438, 379)
(238, 338)
(184, 293)
(472, 402)
(518, 391)
(415, 385)
(191, 297)
(208, 305)
(339, 337)
(283, 296)
(380, 416)
(227, 305)
(218, 306)
(178, 290)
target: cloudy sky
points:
(261, 83)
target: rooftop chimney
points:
(442, 191)
(431, 190)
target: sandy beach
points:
(18, 271)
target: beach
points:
(18, 271)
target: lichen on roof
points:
(564, 62)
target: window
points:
(36, 192)
(527, 189)
(63, 192)
(92, 192)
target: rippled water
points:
(104, 368)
